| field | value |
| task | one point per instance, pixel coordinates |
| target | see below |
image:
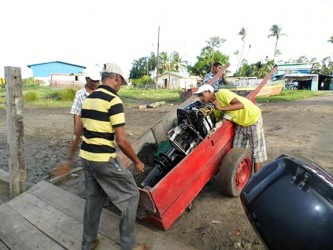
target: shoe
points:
(141, 247)
(95, 244)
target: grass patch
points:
(49, 97)
(290, 95)
(149, 95)
(67, 95)
(2, 98)
(49, 104)
(30, 97)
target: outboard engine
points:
(289, 203)
(195, 121)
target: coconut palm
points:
(236, 53)
(330, 40)
(242, 33)
(247, 54)
(164, 64)
(276, 32)
(177, 62)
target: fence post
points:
(14, 109)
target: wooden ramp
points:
(48, 217)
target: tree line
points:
(144, 69)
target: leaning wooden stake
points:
(15, 129)
(252, 95)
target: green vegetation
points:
(208, 56)
(290, 95)
(212, 52)
(149, 95)
(2, 98)
(66, 95)
(48, 97)
(31, 82)
(172, 62)
(143, 81)
(38, 96)
(30, 96)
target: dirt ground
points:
(300, 128)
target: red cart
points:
(169, 198)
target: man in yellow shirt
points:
(245, 114)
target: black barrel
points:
(289, 203)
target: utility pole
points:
(158, 55)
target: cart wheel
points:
(235, 171)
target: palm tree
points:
(242, 33)
(276, 32)
(247, 54)
(330, 40)
(236, 53)
(177, 62)
(164, 64)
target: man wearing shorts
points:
(245, 114)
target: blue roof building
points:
(55, 67)
(300, 73)
(289, 68)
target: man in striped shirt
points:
(103, 121)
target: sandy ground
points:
(300, 128)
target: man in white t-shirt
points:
(93, 77)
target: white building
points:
(175, 80)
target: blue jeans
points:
(113, 180)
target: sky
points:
(86, 32)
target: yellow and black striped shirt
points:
(102, 110)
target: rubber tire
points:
(235, 159)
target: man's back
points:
(101, 108)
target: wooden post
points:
(15, 129)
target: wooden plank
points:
(3, 246)
(73, 206)
(159, 132)
(61, 228)
(17, 233)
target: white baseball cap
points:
(93, 72)
(114, 68)
(203, 88)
